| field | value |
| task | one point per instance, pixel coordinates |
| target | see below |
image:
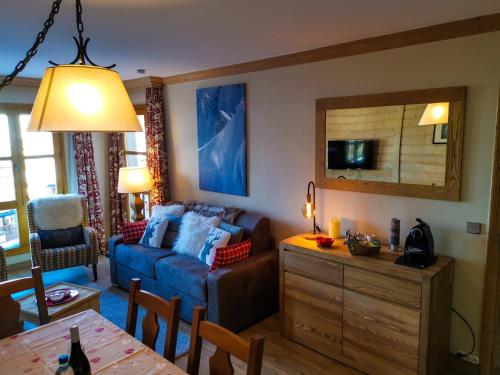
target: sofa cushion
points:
(185, 273)
(236, 232)
(132, 232)
(174, 225)
(140, 258)
(61, 237)
(193, 233)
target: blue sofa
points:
(235, 296)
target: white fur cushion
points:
(216, 238)
(154, 232)
(193, 233)
(57, 211)
(174, 209)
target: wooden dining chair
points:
(155, 306)
(11, 309)
(227, 343)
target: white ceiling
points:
(167, 37)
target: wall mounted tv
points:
(351, 154)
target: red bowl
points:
(324, 241)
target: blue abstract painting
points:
(222, 139)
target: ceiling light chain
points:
(7, 80)
(81, 43)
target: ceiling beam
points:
(429, 34)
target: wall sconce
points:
(309, 210)
(435, 113)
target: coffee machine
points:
(419, 247)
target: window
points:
(31, 166)
(135, 146)
(135, 151)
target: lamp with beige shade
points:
(135, 180)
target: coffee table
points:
(88, 298)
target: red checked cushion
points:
(132, 232)
(225, 256)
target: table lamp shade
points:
(134, 180)
(83, 98)
(435, 113)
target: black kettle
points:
(419, 247)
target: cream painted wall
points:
(280, 129)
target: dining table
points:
(109, 348)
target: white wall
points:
(280, 131)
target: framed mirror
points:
(402, 143)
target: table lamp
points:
(135, 180)
(309, 210)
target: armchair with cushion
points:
(60, 235)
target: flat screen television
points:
(351, 154)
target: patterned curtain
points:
(156, 142)
(88, 184)
(117, 201)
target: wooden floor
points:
(281, 356)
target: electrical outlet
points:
(473, 228)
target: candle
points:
(334, 227)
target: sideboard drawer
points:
(316, 268)
(313, 314)
(380, 337)
(389, 288)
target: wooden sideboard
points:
(367, 312)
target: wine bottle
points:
(77, 358)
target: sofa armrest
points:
(36, 250)
(113, 242)
(244, 292)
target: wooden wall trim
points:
(491, 297)
(429, 34)
(143, 82)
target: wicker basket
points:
(358, 249)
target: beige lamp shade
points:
(435, 113)
(134, 180)
(83, 98)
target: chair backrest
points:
(57, 212)
(11, 309)
(155, 306)
(227, 343)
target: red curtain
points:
(117, 201)
(156, 142)
(88, 184)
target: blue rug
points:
(114, 304)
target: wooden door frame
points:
(491, 300)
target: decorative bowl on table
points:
(324, 241)
(60, 296)
(360, 244)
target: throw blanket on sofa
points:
(57, 211)
(226, 213)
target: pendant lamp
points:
(81, 95)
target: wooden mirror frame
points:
(450, 191)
